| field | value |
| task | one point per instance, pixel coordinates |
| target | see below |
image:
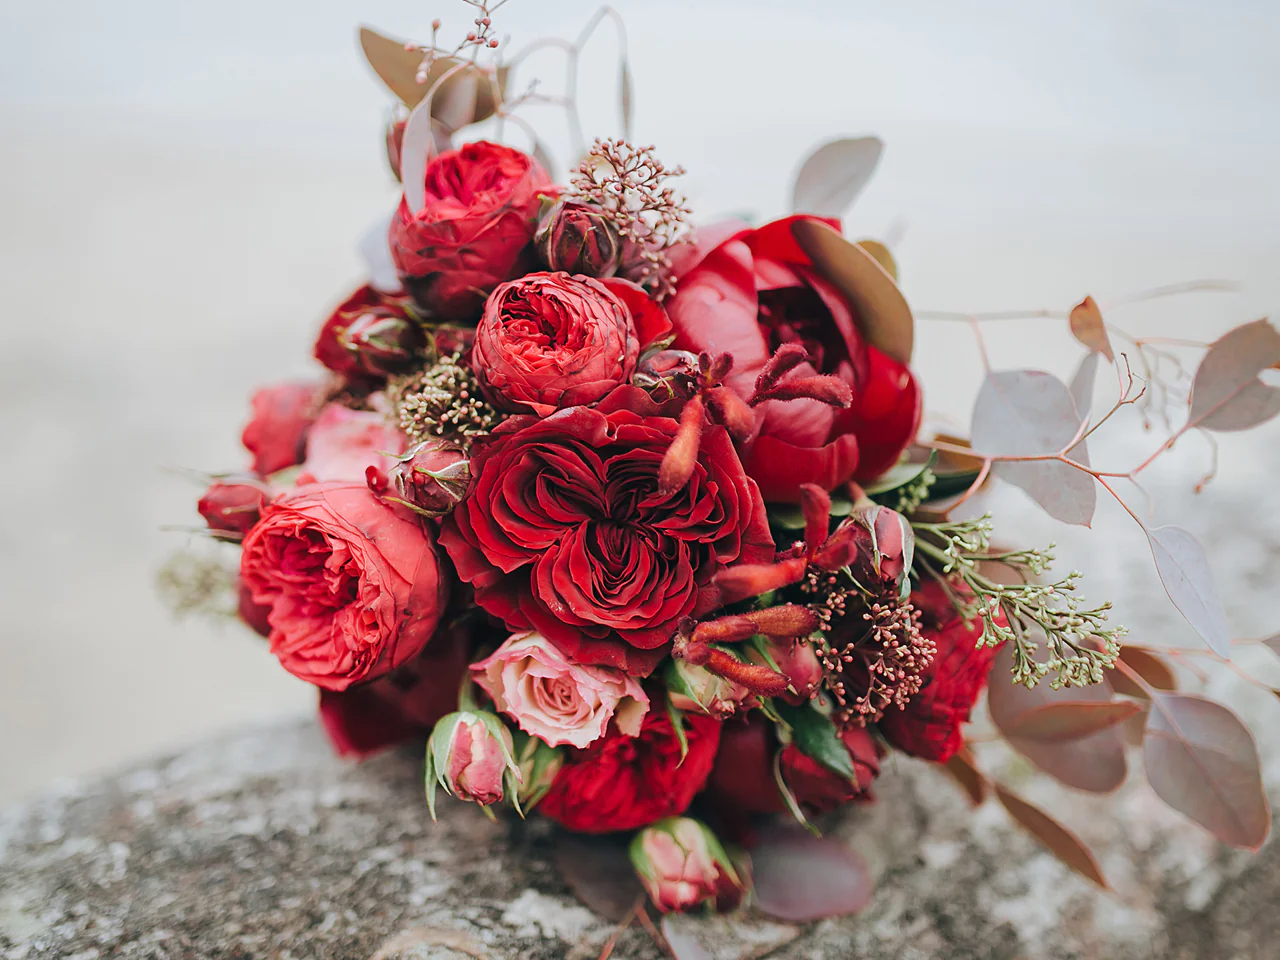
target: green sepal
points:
(677, 722)
(789, 798)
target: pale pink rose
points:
(343, 443)
(556, 700)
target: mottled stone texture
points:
(264, 845)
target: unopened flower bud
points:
(681, 864)
(886, 547)
(580, 239)
(434, 476)
(232, 508)
(695, 688)
(796, 660)
(470, 755)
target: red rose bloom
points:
(565, 531)
(474, 230)
(370, 335)
(742, 779)
(929, 725)
(277, 434)
(747, 292)
(355, 587)
(231, 507)
(402, 705)
(621, 782)
(550, 340)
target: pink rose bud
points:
(232, 508)
(695, 688)
(578, 238)
(470, 755)
(796, 660)
(682, 864)
(434, 476)
(883, 547)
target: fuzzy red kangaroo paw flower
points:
(825, 389)
(731, 412)
(679, 460)
(815, 503)
(752, 579)
(725, 629)
(759, 679)
(786, 620)
(785, 359)
(840, 549)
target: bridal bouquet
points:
(631, 517)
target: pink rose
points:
(277, 434)
(344, 443)
(354, 587)
(558, 701)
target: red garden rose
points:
(355, 587)
(929, 725)
(402, 705)
(565, 532)
(277, 434)
(474, 230)
(232, 507)
(553, 340)
(746, 292)
(371, 335)
(742, 779)
(621, 782)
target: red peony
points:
(621, 782)
(565, 531)
(355, 587)
(474, 230)
(550, 340)
(746, 292)
(371, 335)
(742, 780)
(929, 725)
(277, 434)
(402, 705)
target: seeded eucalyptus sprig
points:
(1080, 647)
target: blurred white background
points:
(182, 187)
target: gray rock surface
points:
(265, 845)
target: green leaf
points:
(786, 515)
(677, 721)
(817, 737)
(900, 475)
(950, 484)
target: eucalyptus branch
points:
(1026, 613)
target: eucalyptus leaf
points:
(1226, 393)
(1059, 841)
(1184, 571)
(833, 175)
(1203, 762)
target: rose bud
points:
(797, 661)
(681, 864)
(434, 476)
(277, 433)
(882, 545)
(470, 755)
(697, 689)
(232, 508)
(371, 334)
(578, 238)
